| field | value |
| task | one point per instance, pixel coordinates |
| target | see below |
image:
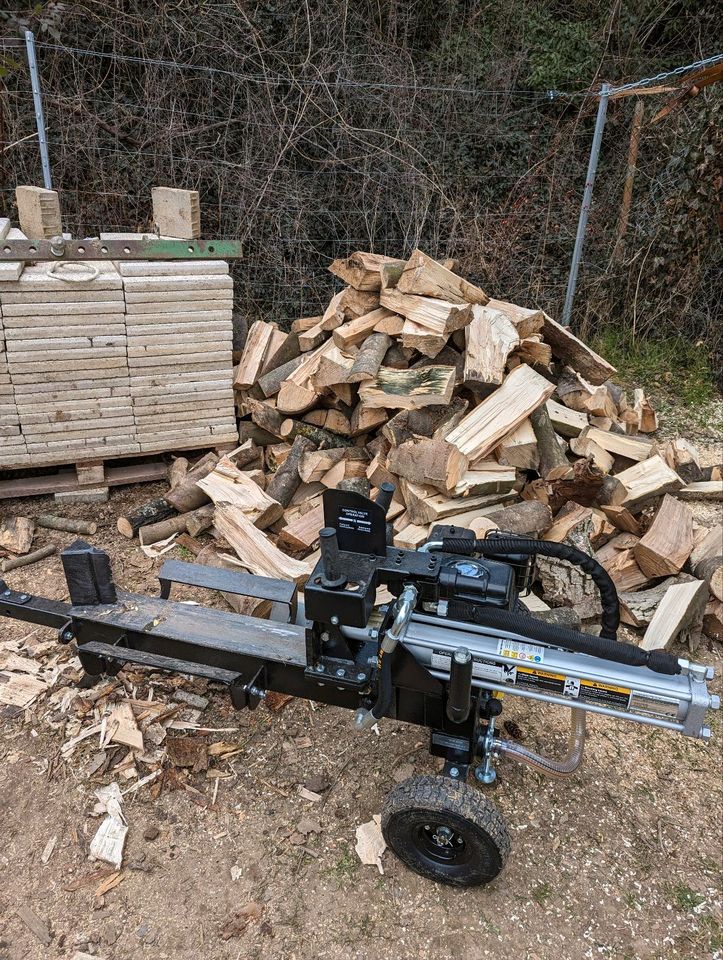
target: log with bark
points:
(287, 479)
(160, 508)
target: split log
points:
(641, 483)
(427, 505)
(286, 351)
(315, 463)
(632, 448)
(16, 534)
(425, 277)
(638, 609)
(411, 536)
(369, 359)
(483, 477)
(302, 533)
(569, 517)
(683, 457)
(623, 519)
(314, 336)
(551, 455)
(582, 485)
(703, 490)
(87, 527)
(29, 558)
(226, 484)
(247, 453)
(250, 431)
(355, 485)
(156, 532)
(199, 519)
(481, 430)
(647, 417)
(286, 480)
(254, 353)
(186, 496)
(354, 333)
(255, 551)
(304, 323)
(349, 304)
(533, 351)
(669, 541)
(434, 462)
(489, 340)
(527, 322)
(710, 569)
(408, 389)
(583, 446)
(519, 448)
(526, 519)
(568, 423)
(566, 346)
(680, 613)
(363, 270)
(154, 511)
(436, 316)
(320, 436)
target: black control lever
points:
(331, 566)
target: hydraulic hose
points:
(549, 766)
(504, 546)
(555, 636)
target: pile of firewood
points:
(483, 414)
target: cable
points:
(669, 73)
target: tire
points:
(445, 831)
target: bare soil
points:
(623, 860)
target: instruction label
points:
(523, 652)
(482, 669)
(358, 521)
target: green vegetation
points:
(541, 894)
(673, 366)
(685, 898)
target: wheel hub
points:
(441, 842)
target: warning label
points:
(533, 679)
(604, 694)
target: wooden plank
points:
(481, 430)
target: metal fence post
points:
(38, 101)
(586, 202)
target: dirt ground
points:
(623, 860)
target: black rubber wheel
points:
(445, 831)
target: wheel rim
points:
(441, 843)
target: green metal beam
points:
(158, 248)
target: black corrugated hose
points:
(605, 646)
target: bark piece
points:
(16, 534)
(481, 430)
(680, 612)
(565, 584)
(425, 277)
(669, 541)
(147, 513)
(489, 340)
(286, 480)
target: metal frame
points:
(94, 248)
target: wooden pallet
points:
(92, 474)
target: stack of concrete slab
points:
(179, 329)
(12, 444)
(64, 328)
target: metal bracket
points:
(340, 673)
(93, 248)
(13, 596)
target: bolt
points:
(319, 668)
(23, 596)
(341, 672)
(361, 676)
(335, 621)
(67, 634)
(453, 772)
(7, 593)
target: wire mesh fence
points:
(309, 164)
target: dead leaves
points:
(241, 920)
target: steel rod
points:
(39, 112)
